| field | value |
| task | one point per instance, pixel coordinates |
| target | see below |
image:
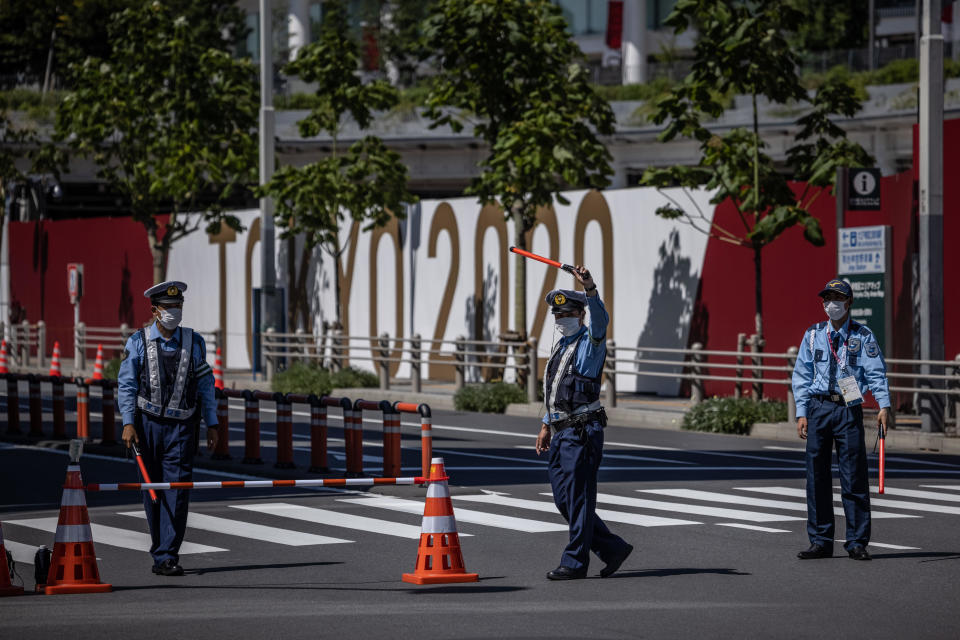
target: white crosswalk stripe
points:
(22, 553)
(952, 487)
(335, 519)
(463, 515)
(114, 536)
(712, 496)
(699, 510)
(605, 514)
(260, 532)
(915, 493)
(751, 527)
(879, 502)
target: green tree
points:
(742, 48)
(168, 120)
(830, 24)
(513, 72)
(363, 180)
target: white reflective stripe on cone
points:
(73, 533)
(73, 467)
(436, 461)
(438, 490)
(73, 498)
(439, 524)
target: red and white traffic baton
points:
(553, 263)
(883, 456)
(260, 484)
(143, 470)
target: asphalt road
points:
(716, 522)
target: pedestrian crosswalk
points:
(345, 517)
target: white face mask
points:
(170, 318)
(835, 310)
(567, 326)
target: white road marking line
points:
(549, 507)
(879, 502)
(884, 545)
(334, 519)
(913, 493)
(752, 527)
(926, 462)
(606, 454)
(775, 448)
(952, 487)
(693, 509)
(22, 553)
(249, 530)
(747, 501)
(114, 536)
(463, 515)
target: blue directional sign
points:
(863, 259)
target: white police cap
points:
(166, 292)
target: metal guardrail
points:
(86, 340)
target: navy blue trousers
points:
(167, 448)
(830, 424)
(573, 476)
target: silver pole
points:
(268, 269)
(931, 210)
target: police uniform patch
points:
(872, 349)
(559, 299)
(854, 345)
(124, 355)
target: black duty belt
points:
(580, 419)
(830, 397)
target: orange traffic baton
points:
(532, 256)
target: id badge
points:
(850, 390)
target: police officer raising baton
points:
(572, 430)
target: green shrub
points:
(350, 378)
(111, 370)
(491, 397)
(733, 415)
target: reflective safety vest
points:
(168, 381)
(565, 390)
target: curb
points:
(896, 439)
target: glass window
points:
(577, 14)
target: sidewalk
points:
(632, 410)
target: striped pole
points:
(318, 436)
(13, 404)
(260, 484)
(109, 435)
(83, 409)
(36, 406)
(284, 433)
(391, 442)
(222, 452)
(251, 427)
(426, 431)
(353, 437)
(59, 421)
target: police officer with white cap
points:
(573, 428)
(838, 360)
(165, 387)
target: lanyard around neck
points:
(835, 356)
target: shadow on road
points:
(935, 556)
(677, 571)
(253, 567)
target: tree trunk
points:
(758, 284)
(302, 288)
(520, 277)
(338, 269)
(158, 251)
(293, 300)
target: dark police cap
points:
(837, 286)
(166, 292)
(565, 300)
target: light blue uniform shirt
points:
(859, 353)
(591, 352)
(128, 380)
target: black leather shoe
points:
(858, 553)
(614, 564)
(168, 568)
(566, 573)
(816, 551)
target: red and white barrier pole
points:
(109, 435)
(426, 431)
(13, 403)
(222, 451)
(251, 427)
(284, 433)
(83, 410)
(318, 436)
(259, 484)
(59, 409)
(36, 406)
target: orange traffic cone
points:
(55, 360)
(438, 558)
(218, 370)
(6, 589)
(98, 364)
(73, 566)
(3, 357)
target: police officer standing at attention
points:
(165, 386)
(838, 360)
(573, 428)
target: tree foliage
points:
(509, 69)
(743, 48)
(364, 181)
(167, 117)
